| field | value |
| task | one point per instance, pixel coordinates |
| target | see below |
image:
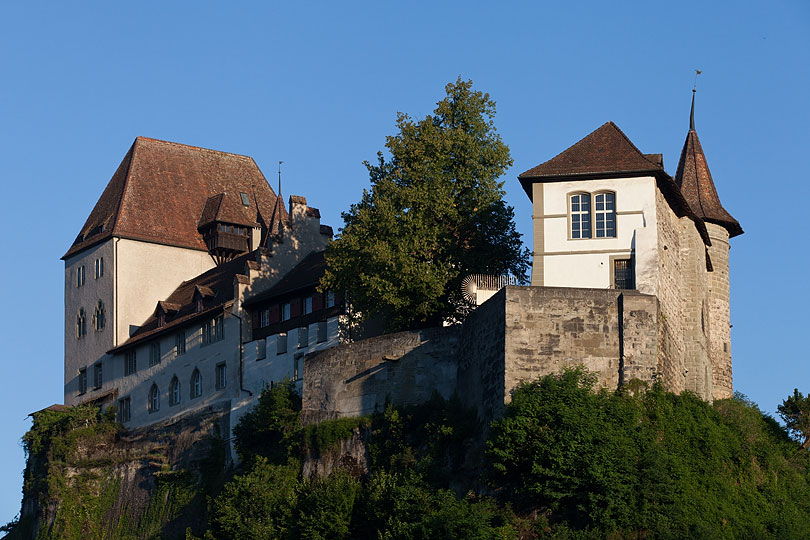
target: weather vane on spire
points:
(692, 112)
(279, 177)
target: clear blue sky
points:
(318, 85)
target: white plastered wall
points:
(146, 273)
(205, 358)
(85, 351)
(570, 262)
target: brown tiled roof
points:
(305, 274)
(606, 151)
(160, 190)
(215, 285)
(696, 184)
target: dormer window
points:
(198, 304)
(161, 318)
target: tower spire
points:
(692, 112)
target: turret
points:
(697, 186)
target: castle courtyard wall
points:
(358, 378)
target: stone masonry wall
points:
(670, 338)
(719, 313)
(612, 333)
(694, 306)
(480, 357)
(357, 378)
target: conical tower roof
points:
(697, 186)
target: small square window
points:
(322, 330)
(220, 376)
(303, 337)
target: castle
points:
(192, 284)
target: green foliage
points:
(795, 412)
(404, 506)
(324, 435)
(434, 215)
(655, 465)
(431, 438)
(326, 506)
(272, 428)
(259, 504)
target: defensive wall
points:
(519, 334)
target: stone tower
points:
(697, 186)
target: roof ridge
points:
(117, 214)
(626, 138)
(192, 147)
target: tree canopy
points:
(433, 215)
(795, 411)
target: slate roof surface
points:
(160, 189)
(305, 274)
(696, 184)
(217, 287)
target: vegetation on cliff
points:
(564, 462)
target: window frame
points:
(98, 375)
(220, 376)
(595, 212)
(99, 317)
(303, 337)
(195, 388)
(180, 343)
(154, 353)
(591, 213)
(631, 266)
(174, 392)
(83, 381)
(99, 267)
(125, 409)
(153, 404)
(281, 338)
(130, 362)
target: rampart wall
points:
(519, 334)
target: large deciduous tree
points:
(434, 215)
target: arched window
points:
(99, 318)
(81, 324)
(579, 210)
(174, 392)
(196, 384)
(154, 399)
(605, 214)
